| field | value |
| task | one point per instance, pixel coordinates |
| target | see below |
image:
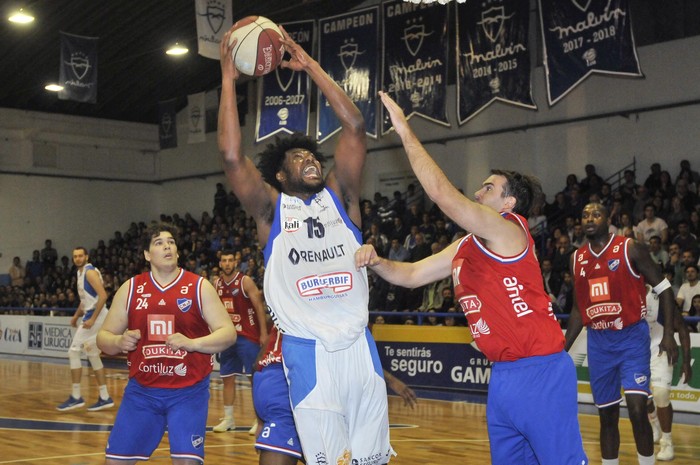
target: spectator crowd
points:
(663, 212)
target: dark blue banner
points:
(458, 367)
(78, 70)
(284, 97)
(348, 53)
(493, 58)
(167, 124)
(585, 36)
(414, 70)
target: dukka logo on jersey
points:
(314, 285)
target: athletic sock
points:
(646, 460)
(228, 411)
(76, 391)
(104, 395)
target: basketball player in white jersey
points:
(660, 408)
(310, 228)
(91, 312)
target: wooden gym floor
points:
(33, 432)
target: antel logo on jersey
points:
(314, 285)
(160, 327)
(161, 351)
(599, 289)
(607, 309)
(470, 304)
(291, 224)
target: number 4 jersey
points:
(311, 284)
(610, 293)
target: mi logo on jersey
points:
(160, 327)
(599, 289)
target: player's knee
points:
(74, 358)
(662, 396)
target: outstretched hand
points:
(300, 60)
(396, 114)
(366, 256)
(228, 69)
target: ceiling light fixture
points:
(21, 17)
(177, 49)
(53, 87)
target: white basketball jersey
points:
(656, 329)
(88, 295)
(311, 284)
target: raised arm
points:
(351, 150)
(502, 236)
(405, 274)
(256, 196)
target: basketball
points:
(258, 50)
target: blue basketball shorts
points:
(619, 359)
(145, 414)
(239, 358)
(532, 412)
(271, 402)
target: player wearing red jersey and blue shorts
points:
(170, 322)
(609, 281)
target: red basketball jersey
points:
(609, 292)
(158, 311)
(239, 307)
(508, 311)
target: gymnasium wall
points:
(77, 180)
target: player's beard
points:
(301, 187)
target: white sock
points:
(646, 460)
(611, 461)
(104, 395)
(228, 411)
(666, 437)
(76, 391)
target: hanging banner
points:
(283, 95)
(414, 70)
(78, 70)
(167, 124)
(196, 130)
(493, 58)
(213, 18)
(582, 37)
(348, 53)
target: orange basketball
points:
(259, 49)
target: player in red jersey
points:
(532, 391)
(610, 299)
(169, 321)
(245, 304)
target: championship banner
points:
(78, 70)
(167, 124)
(414, 70)
(581, 37)
(283, 95)
(214, 18)
(196, 128)
(493, 59)
(348, 53)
